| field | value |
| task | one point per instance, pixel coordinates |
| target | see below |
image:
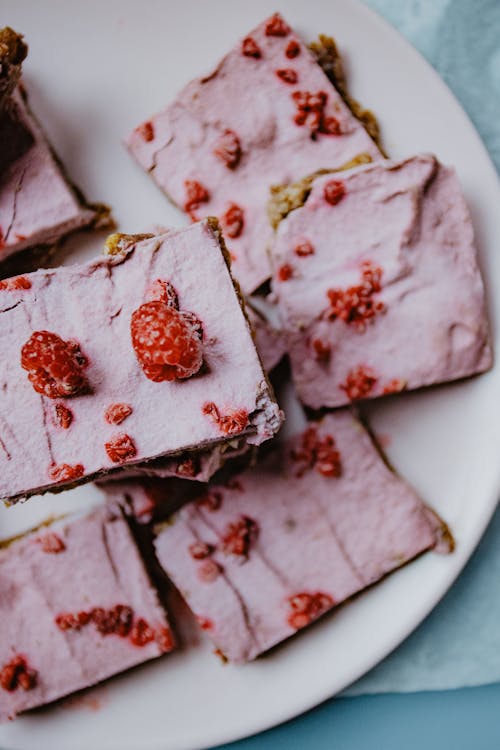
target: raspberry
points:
(65, 472)
(54, 366)
(67, 621)
(120, 448)
(117, 413)
(307, 607)
(233, 221)
(303, 249)
(163, 291)
(292, 49)
(63, 416)
(250, 48)
(276, 26)
(117, 620)
(16, 673)
(231, 423)
(318, 453)
(287, 75)
(200, 550)
(285, 272)
(359, 383)
(196, 193)
(322, 351)
(188, 468)
(333, 192)
(330, 126)
(51, 543)
(165, 639)
(142, 633)
(239, 536)
(146, 131)
(166, 342)
(208, 571)
(228, 148)
(310, 109)
(18, 282)
(205, 623)
(355, 305)
(395, 386)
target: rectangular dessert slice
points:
(267, 114)
(148, 350)
(37, 204)
(76, 606)
(377, 281)
(318, 520)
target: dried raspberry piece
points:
(142, 633)
(188, 468)
(68, 621)
(211, 501)
(230, 423)
(51, 543)
(120, 448)
(310, 109)
(395, 386)
(167, 342)
(238, 536)
(287, 75)
(250, 48)
(27, 679)
(318, 453)
(303, 249)
(276, 26)
(200, 550)
(356, 305)
(165, 639)
(65, 472)
(322, 351)
(163, 291)
(333, 192)
(307, 607)
(285, 272)
(330, 126)
(54, 366)
(292, 49)
(15, 284)
(146, 131)
(117, 413)
(233, 221)
(359, 383)
(16, 673)
(117, 620)
(228, 148)
(63, 416)
(209, 571)
(205, 623)
(196, 193)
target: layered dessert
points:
(267, 114)
(319, 519)
(76, 607)
(377, 281)
(133, 350)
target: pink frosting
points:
(37, 205)
(410, 220)
(93, 304)
(97, 565)
(327, 537)
(246, 96)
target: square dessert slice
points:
(148, 350)
(318, 520)
(76, 607)
(267, 114)
(377, 281)
(38, 206)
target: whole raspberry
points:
(54, 366)
(167, 342)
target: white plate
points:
(95, 70)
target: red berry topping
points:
(303, 249)
(54, 366)
(228, 148)
(205, 623)
(318, 453)
(163, 291)
(310, 109)
(120, 448)
(142, 633)
(238, 536)
(287, 75)
(285, 272)
(230, 423)
(117, 413)
(12, 285)
(307, 607)
(166, 342)
(333, 192)
(292, 49)
(211, 501)
(250, 48)
(200, 550)
(322, 351)
(359, 383)
(356, 305)
(117, 620)
(63, 416)
(330, 126)
(16, 673)
(187, 468)
(395, 386)
(146, 131)
(51, 543)
(165, 639)
(196, 193)
(233, 221)
(65, 472)
(276, 26)
(208, 571)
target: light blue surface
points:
(459, 643)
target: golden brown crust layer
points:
(13, 49)
(119, 243)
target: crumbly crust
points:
(13, 51)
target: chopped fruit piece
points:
(196, 194)
(303, 249)
(334, 191)
(65, 472)
(250, 48)
(307, 607)
(322, 351)
(208, 571)
(355, 305)
(276, 26)
(233, 221)
(395, 386)
(142, 633)
(64, 416)
(54, 366)
(146, 131)
(205, 623)
(310, 109)
(230, 423)
(199, 550)
(292, 49)
(120, 448)
(285, 272)
(228, 149)
(239, 535)
(317, 453)
(359, 383)
(165, 639)
(117, 413)
(51, 543)
(15, 284)
(287, 75)
(16, 673)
